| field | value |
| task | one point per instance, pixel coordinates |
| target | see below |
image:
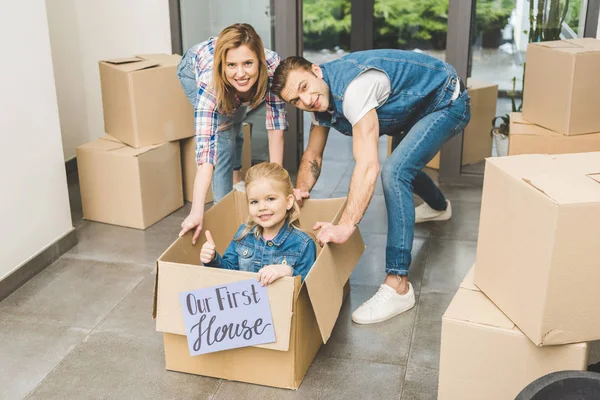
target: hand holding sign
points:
(207, 254)
(270, 273)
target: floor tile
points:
(111, 366)
(386, 343)
(420, 383)
(331, 379)
(112, 243)
(133, 315)
(29, 351)
(448, 261)
(464, 224)
(425, 345)
(371, 266)
(73, 293)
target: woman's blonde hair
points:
(233, 37)
(280, 178)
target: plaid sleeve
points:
(206, 124)
(276, 114)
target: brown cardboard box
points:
(131, 187)
(528, 138)
(562, 85)
(477, 141)
(189, 166)
(143, 101)
(303, 314)
(538, 245)
(484, 355)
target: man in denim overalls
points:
(413, 97)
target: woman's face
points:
(241, 68)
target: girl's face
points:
(241, 68)
(268, 205)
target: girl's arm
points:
(229, 260)
(306, 260)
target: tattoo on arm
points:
(315, 169)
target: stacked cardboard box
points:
(304, 314)
(532, 306)
(560, 112)
(477, 142)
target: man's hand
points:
(192, 221)
(329, 233)
(208, 251)
(270, 273)
(300, 195)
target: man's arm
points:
(310, 166)
(365, 137)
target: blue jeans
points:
(229, 141)
(402, 175)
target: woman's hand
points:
(270, 273)
(194, 220)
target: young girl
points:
(270, 242)
(224, 78)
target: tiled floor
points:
(82, 329)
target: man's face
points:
(307, 90)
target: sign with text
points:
(227, 317)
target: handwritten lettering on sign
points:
(227, 317)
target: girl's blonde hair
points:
(281, 180)
(233, 37)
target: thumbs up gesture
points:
(207, 254)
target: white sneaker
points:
(424, 213)
(240, 186)
(385, 304)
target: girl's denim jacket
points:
(291, 247)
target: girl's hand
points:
(207, 253)
(270, 273)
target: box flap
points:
(161, 58)
(102, 144)
(474, 84)
(520, 126)
(581, 45)
(469, 280)
(326, 279)
(474, 307)
(131, 64)
(565, 187)
(173, 278)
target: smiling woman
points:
(224, 78)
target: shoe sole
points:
(438, 218)
(376, 321)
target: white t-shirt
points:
(369, 90)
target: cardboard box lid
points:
(110, 144)
(141, 62)
(564, 178)
(474, 83)
(520, 126)
(573, 46)
(472, 306)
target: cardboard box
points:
(477, 140)
(528, 138)
(143, 101)
(303, 314)
(485, 356)
(130, 187)
(538, 245)
(562, 85)
(189, 166)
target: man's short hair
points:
(285, 67)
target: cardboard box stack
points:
(560, 112)
(304, 314)
(134, 176)
(530, 306)
(477, 142)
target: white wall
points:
(598, 31)
(34, 205)
(84, 32)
